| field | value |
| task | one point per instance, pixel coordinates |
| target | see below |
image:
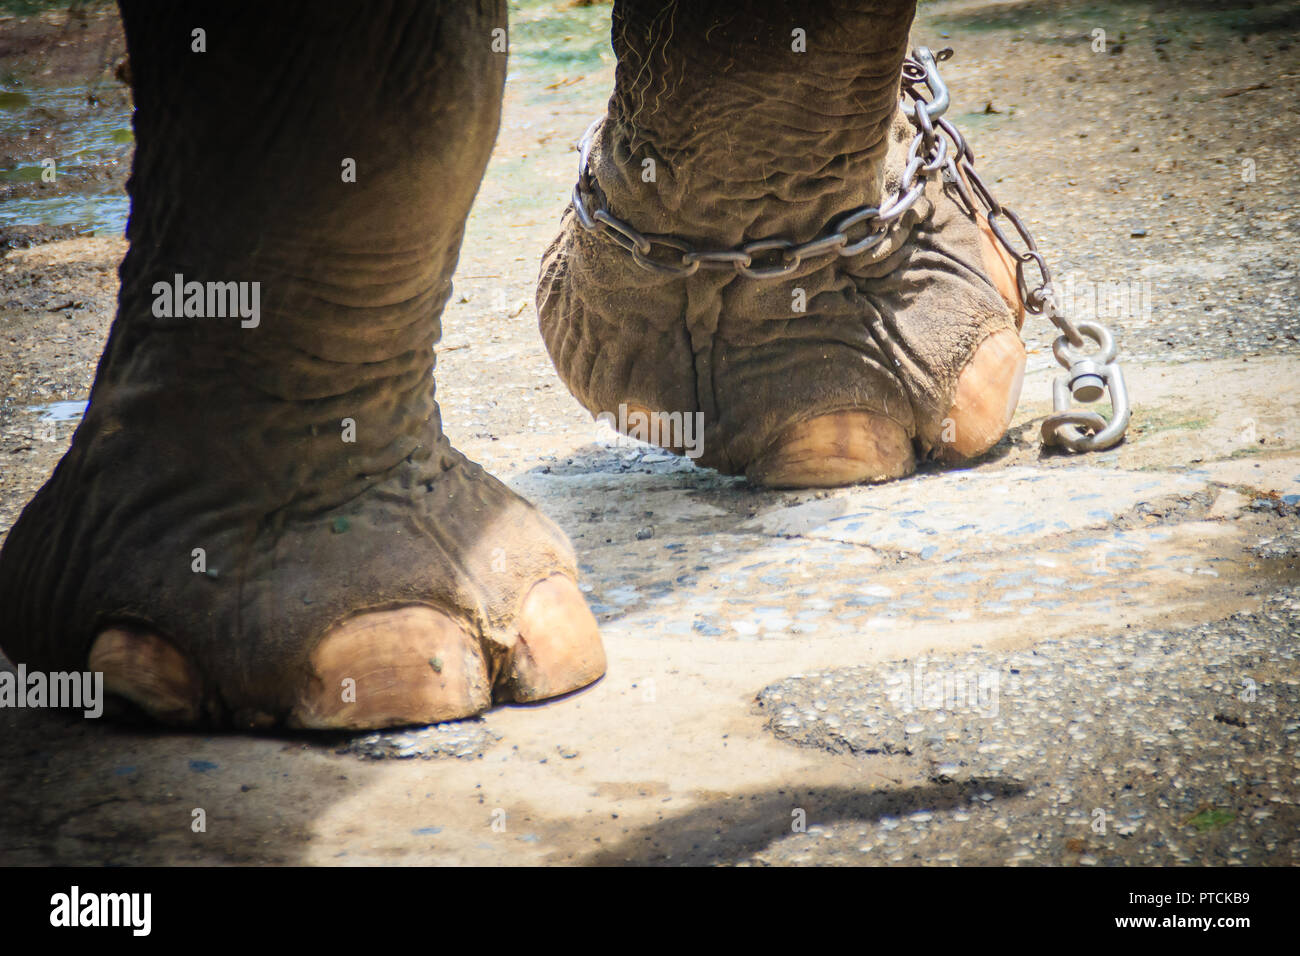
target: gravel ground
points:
(1157, 175)
(1159, 747)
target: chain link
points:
(937, 150)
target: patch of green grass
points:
(1211, 818)
(1151, 424)
(549, 42)
(21, 174)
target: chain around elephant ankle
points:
(937, 150)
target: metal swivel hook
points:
(1087, 379)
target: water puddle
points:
(60, 411)
(89, 141)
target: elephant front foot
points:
(420, 595)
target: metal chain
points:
(937, 149)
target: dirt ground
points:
(754, 636)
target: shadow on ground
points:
(736, 829)
(110, 792)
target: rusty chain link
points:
(937, 149)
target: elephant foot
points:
(844, 369)
(259, 521)
(909, 353)
(427, 596)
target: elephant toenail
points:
(558, 648)
(149, 672)
(374, 670)
(840, 448)
(988, 391)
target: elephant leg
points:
(260, 521)
(736, 121)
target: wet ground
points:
(1042, 658)
(65, 120)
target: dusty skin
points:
(1128, 166)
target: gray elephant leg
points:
(259, 520)
(722, 129)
